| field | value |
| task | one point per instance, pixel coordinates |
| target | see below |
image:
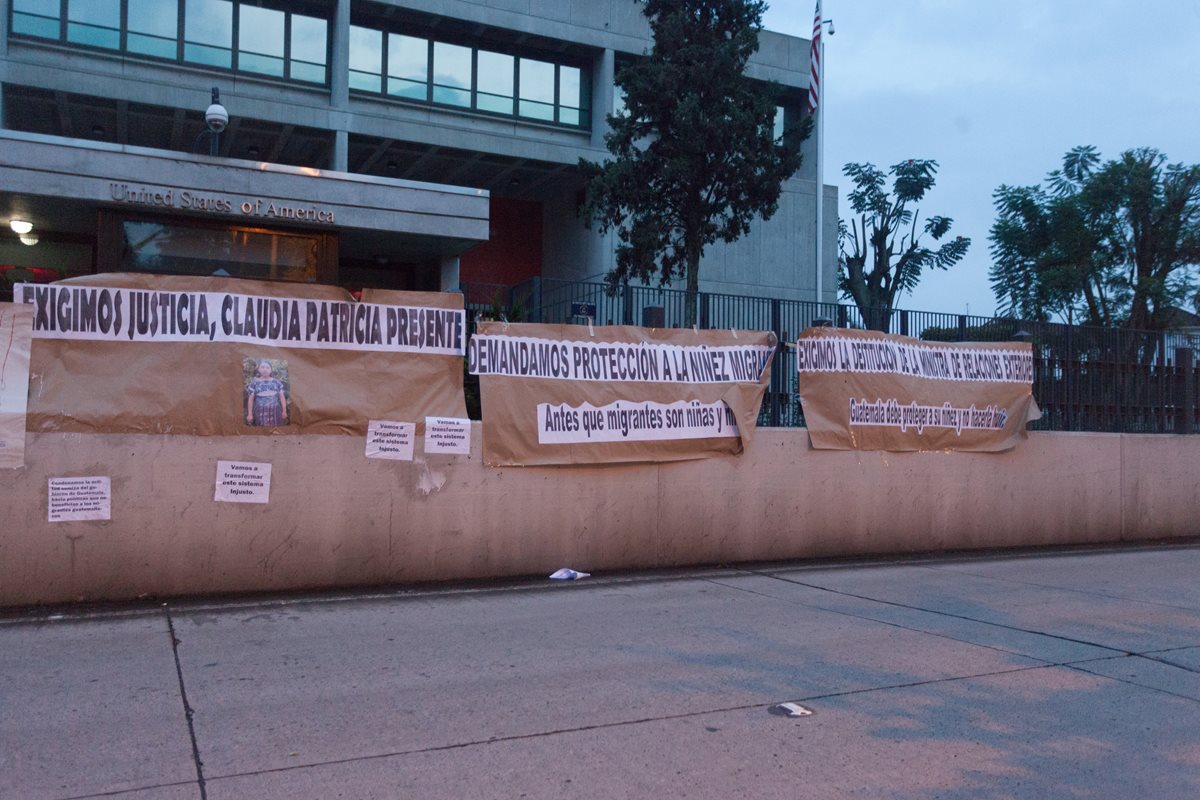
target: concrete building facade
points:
(409, 144)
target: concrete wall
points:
(775, 259)
(338, 519)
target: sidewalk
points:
(1036, 675)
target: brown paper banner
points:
(865, 390)
(16, 336)
(564, 394)
(122, 353)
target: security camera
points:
(216, 117)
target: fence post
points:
(535, 299)
(962, 327)
(842, 321)
(1160, 422)
(777, 368)
(904, 323)
(1185, 414)
(705, 313)
(627, 311)
(1068, 382)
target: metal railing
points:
(1086, 378)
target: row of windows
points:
(216, 33)
(416, 68)
(247, 37)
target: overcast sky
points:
(996, 91)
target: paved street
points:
(1032, 675)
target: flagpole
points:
(820, 163)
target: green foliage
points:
(694, 158)
(882, 251)
(1103, 243)
(994, 330)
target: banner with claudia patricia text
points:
(564, 394)
(865, 390)
(124, 353)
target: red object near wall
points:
(40, 274)
(513, 252)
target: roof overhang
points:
(39, 168)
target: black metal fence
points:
(1086, 378)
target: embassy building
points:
(412, 144)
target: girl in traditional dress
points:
(266, 403)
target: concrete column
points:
(340, 161)
(829, 243)
(4, 16)
(339, 87)
(602, 95)
(339, 64)
(450, 275)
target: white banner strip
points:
(611, 362)
(891, 414)
(134, 315)
(935, 362)
(629, 421)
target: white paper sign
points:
(392, 440)
(16, 335)
(75, 499)
(448, 435)
(243, 482)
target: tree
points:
(694, 154)
(882, 251)
(1112, 243)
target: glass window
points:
(569, 95)
(451, 74)
(208, 32)
(310, 43)
(260, 40)
(153, 28)
(537, 89)
(778, 129)
(240, 252)
(36, 18)
(494, 91)
(366, 58)
(94, 22)
(408, 67)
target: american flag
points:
(814, 78)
